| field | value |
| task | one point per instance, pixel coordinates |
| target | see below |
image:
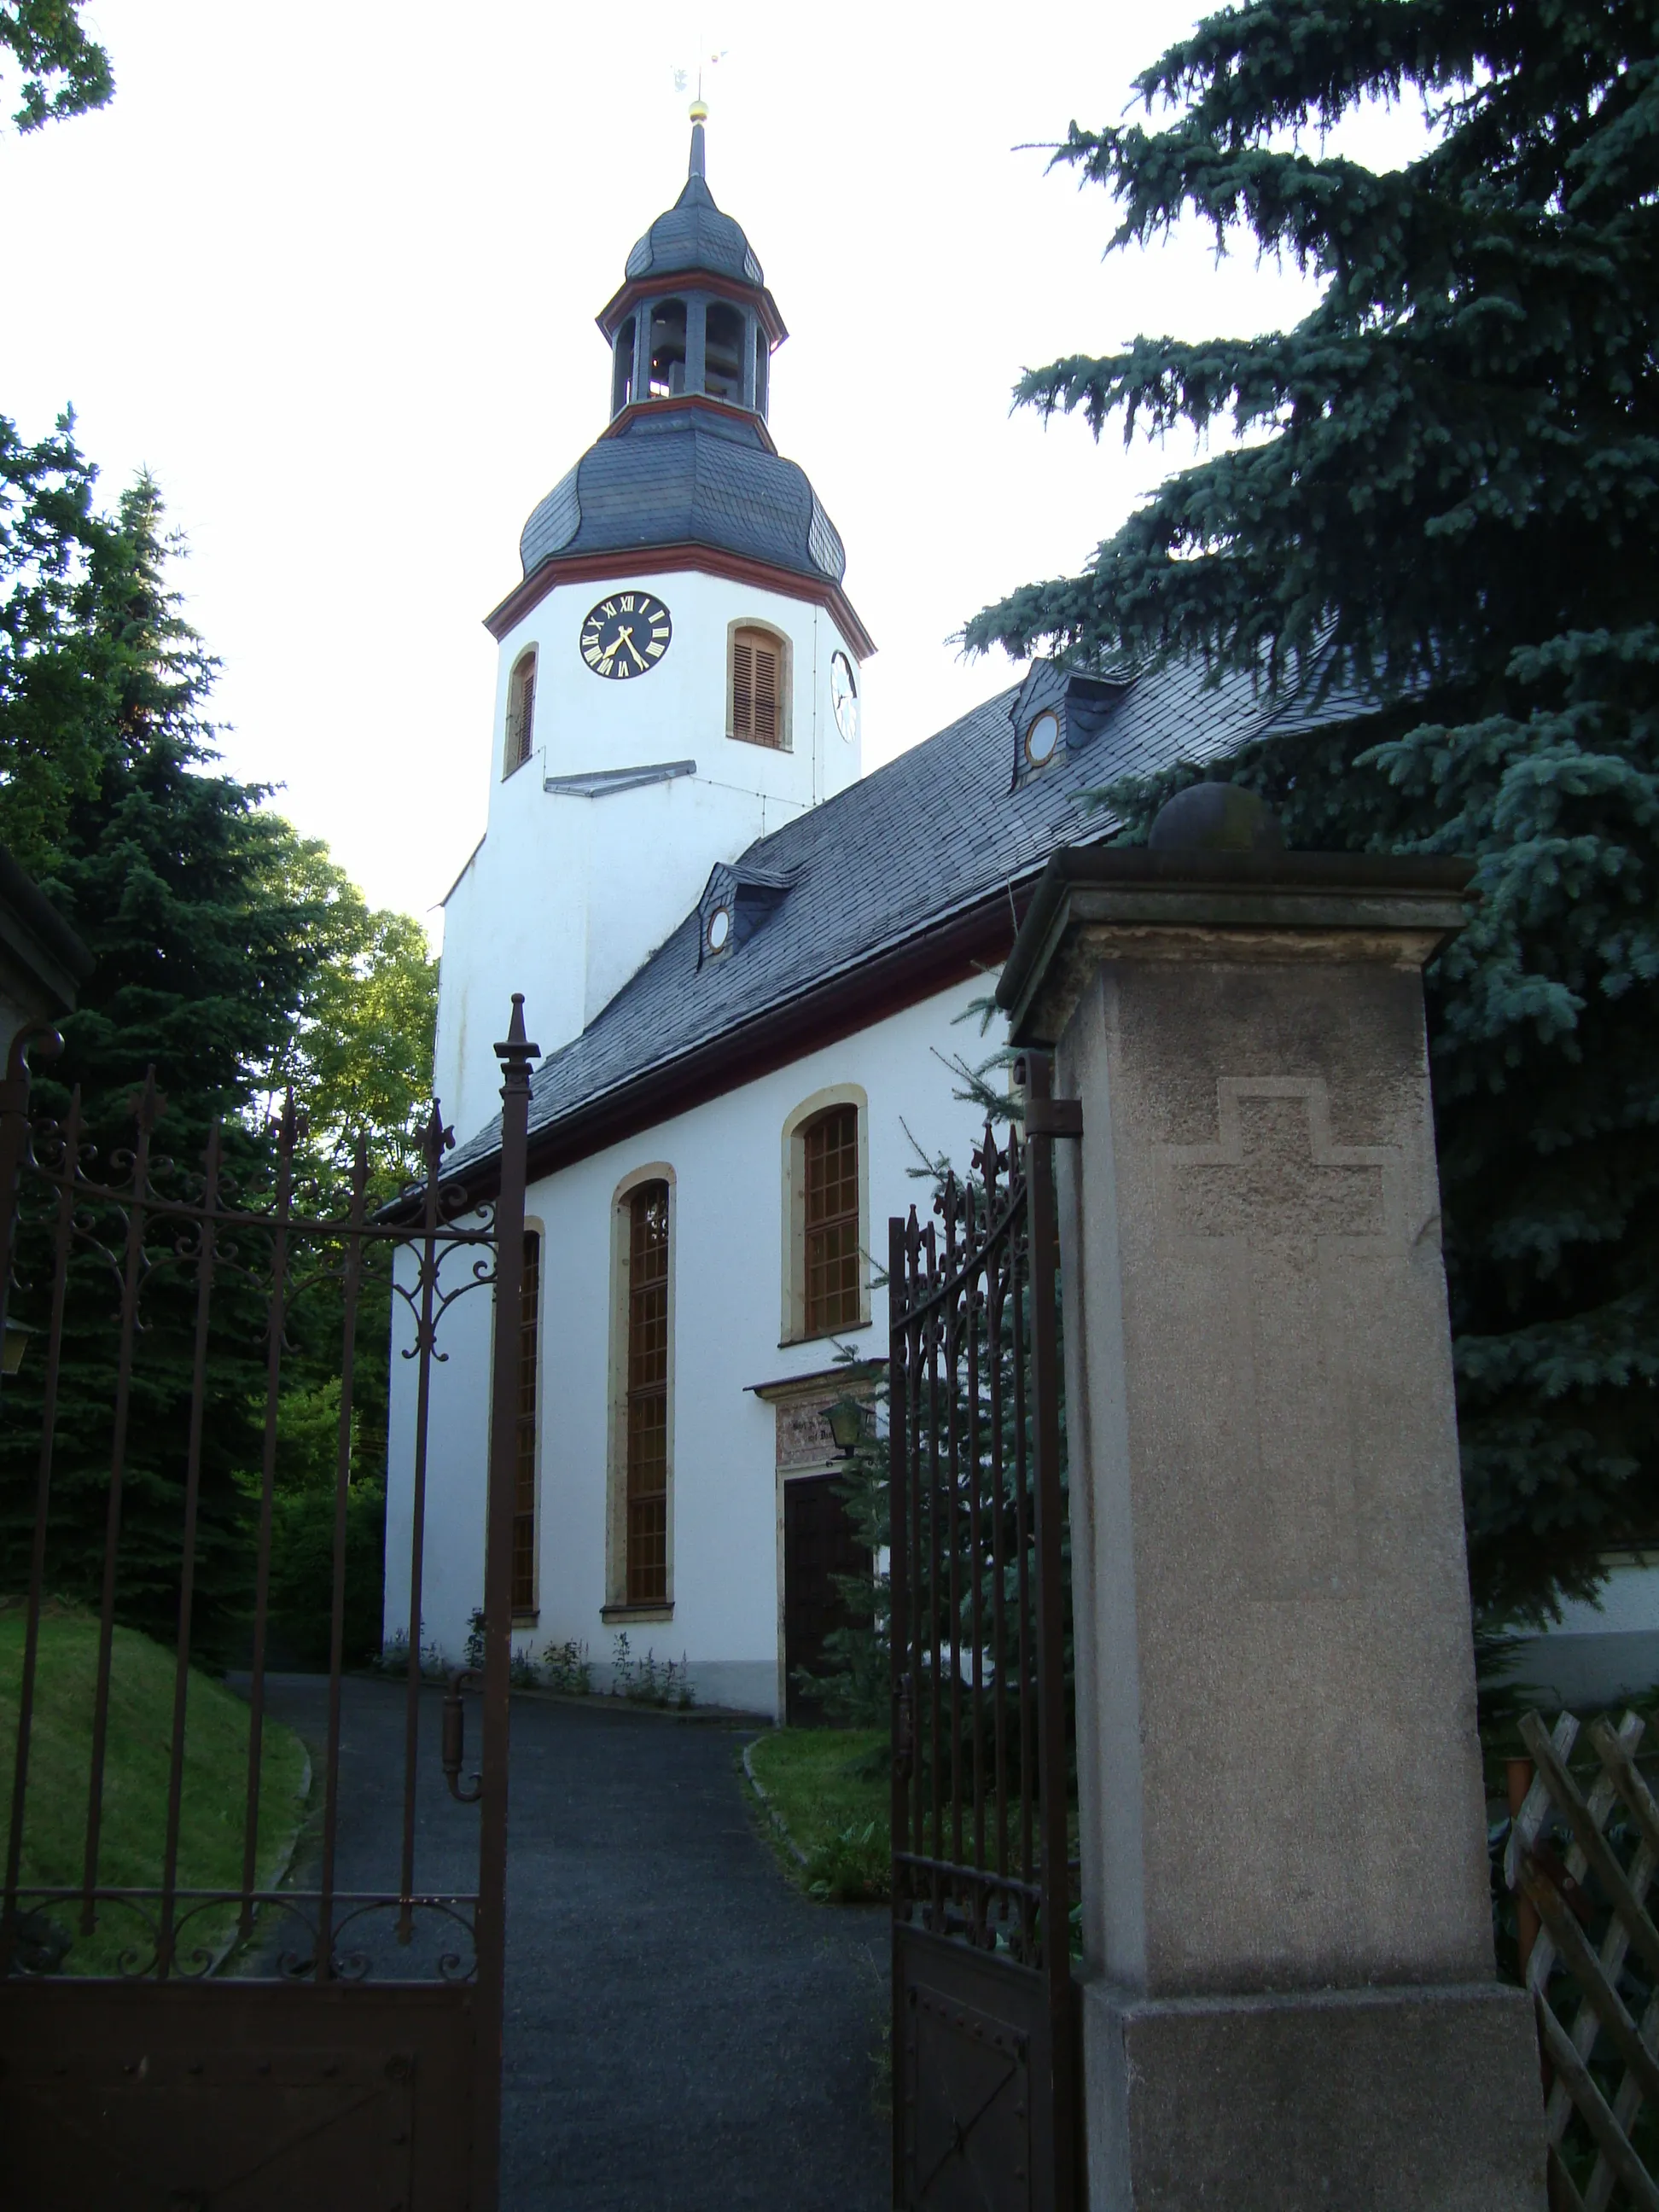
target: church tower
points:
(679, 668)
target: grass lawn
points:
(135, 1782)
(826, 1788)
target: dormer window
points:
(1043, 738)
(1059, 711)
(757, 686)
(735, 903)
(668, 326)
(520, 713)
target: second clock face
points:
(844, 696)
(626, 635)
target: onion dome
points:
(701, 477)
(694, 233)
(687, 467)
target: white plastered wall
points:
(729, 1196)
(569, 895)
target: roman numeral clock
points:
(626, 635)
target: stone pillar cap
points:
(1193, 905)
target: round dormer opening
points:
(718, 934)
(1043, 738)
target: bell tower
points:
(679, 666)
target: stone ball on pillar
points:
(1216, 817)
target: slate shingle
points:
(701, 477)
(895, 855)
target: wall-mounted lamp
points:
(846, 1419)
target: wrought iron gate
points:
(984, 2019)
(253, 2044)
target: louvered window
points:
(520, 714)
(757, 681)
(647, 1394)
(523, 1488)
(832, 1221)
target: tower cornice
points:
(661, 283)
(691, 402)
(658, 559)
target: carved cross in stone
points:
(1268, 1225)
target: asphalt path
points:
(685, 2032)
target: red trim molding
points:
(709, 560)
(670, 283)
(635, 408)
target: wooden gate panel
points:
(246, 2097)
(976, 2032)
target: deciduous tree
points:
(61, 70)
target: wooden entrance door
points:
(818, 1544)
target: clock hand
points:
(626, 637)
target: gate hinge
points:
(454, 1736)
(1054, 1118)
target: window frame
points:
(684, 301)
(722, 313)
(624, 364)
(518, 744)
(762, 628)
(618, 1606)
(795, 1326)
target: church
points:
(752, 972)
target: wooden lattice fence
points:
(1584, 1856)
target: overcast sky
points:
(330, 270)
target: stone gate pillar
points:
(1290, 1998)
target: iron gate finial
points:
(514, 1052)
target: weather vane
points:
(683, 80)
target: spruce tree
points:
(175, 878)
(57, 692)
(1443, 502)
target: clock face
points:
(626, 635)
(844, 696)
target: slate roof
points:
(694, 235)
(894, 856)
(675, 475)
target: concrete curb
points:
(772, 1812)
(605, 1701)
(279, 1873)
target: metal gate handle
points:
(454, 1750)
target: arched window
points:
(520, 713)
(667, 348)
(757, 686)
(722, 359)
(646, 1411)
(830, 1152)
(622, 374)
(826, 1211)
(524, 1485)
